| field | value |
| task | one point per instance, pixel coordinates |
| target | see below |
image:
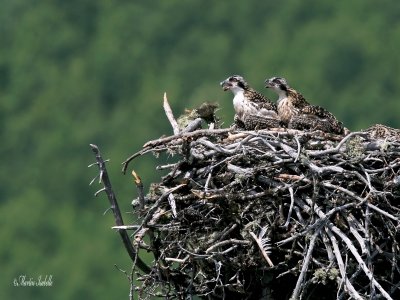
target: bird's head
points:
(277, 84)
(234, 83)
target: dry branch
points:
(170, 115)
(104, 179)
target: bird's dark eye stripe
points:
(240, 84)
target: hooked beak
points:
(225, 85)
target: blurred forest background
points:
(81, 71)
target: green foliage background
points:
(79, 72)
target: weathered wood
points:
(327, 207)
(104, 179)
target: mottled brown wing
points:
(252, 122)
(305, 122)
(317, 111)
(312, 116)
(380, 131)
(306, 108)
(297, 99)
(261, 100)
(321, 119)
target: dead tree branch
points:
(103, 177)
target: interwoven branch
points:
(327, 206)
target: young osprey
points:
(253, 110)
(295, 112)
(383, 132)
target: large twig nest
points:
(274, 214)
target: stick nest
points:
(273, 214)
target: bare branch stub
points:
(104, 179)
(170, 115)
(336, 196)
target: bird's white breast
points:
(239, 103)
(243, 107)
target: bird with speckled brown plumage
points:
(253, 110)
(296, 113)
(383, 132)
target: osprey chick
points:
(295, 112)
(253, 110)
